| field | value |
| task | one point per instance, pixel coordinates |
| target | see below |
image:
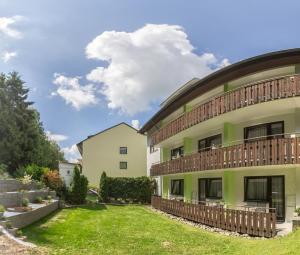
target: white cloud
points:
(56, 137)
(6, 24)
(73, 92)
(71, 153)
(8, 55)
(225, 62)
(146, 65)
(135, 124)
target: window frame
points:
(206, 140)
(206, 182)
(123, 147)
(246, 178)
(122, 162)
(180, 188)
(180, 148)
(268, 128)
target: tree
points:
(79, 187)
(103, 188)
(22, 137)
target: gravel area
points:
(10, 247)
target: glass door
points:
(277, 196)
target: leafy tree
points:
(103, 188)
(22, 137)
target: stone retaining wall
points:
(27, 218)
(10, 185)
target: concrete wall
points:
(15, 185)
(66, 172)
(101, 153)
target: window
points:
(264, 131)
(209, 142)
(123, 165)
(177, 187)
(123, 150)
(152, 149)
(68, 172)
(210, 188)
(256, 188)
(177, 152)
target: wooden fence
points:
(277, 151)
(251, 94)
(244, 222)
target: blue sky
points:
(92, 64)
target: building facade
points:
(120, 151)
(232, 138)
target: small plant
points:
(297, 211)
(26, 180)
(38, 200)
(49, 198)
(19, 233)
(8, 225)
(25, 202)
(2, 209)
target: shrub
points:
(26, 180)
(79, 188)
(19, 233)
(297, 210)
(2, 209)
(3, 171)
(36, 172)
(8, 225)
(38, 200)
(103, 188)
(49, 198)
(25, 202)
(137, 189)
(53, 181)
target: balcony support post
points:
(165, 186)
(228, 134)
(229, 191)
(188, 188)
(187, 145)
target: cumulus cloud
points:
(71, 153)
(75, 94)
(6, 28)
(8, 55)
(56, 137)
(135, 124)
(146, 65)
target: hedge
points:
(137, 189)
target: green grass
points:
(96, 229)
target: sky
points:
(92, 64)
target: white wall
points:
(66, 172)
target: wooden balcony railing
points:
(268, 90)
(245, 222)
(277, 151)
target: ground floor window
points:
(256, 188)
(177, 187)
(210, 188)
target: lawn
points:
(96, 229)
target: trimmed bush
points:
(25, 202)
(38, 200)
(2, 209)
(36, 172)
(137, 189)
(53, 181)
(103, 188)
(79, 188)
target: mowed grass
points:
(96, 229)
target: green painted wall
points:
(166, 183)
(188, 187)
(187, 108)
(226, 87)
(229, 188)
(228, 134)
(187, 145)
(297, 68)
(165, 154)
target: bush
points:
(2, 209)
(53, 181)
(19, 233)
(38, 200)
(25, 202)
(103, 188)
(79, 188)
(36, 172)
(8, 225)
(137, 189)
(3, 171)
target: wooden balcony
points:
(277, 151)
(268, 90)
(245, 222)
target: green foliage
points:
(36, 171)
(297, 210)
(2, 209)
(137, 189)
(103, 188)
(53, 181)
(79, 188)
(8, 225)
(38, 200)
(23, 140)
(19, 233)
(3, 171)
(25, 202)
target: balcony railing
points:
(268, 90)
(277, 151)
(245, 222)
